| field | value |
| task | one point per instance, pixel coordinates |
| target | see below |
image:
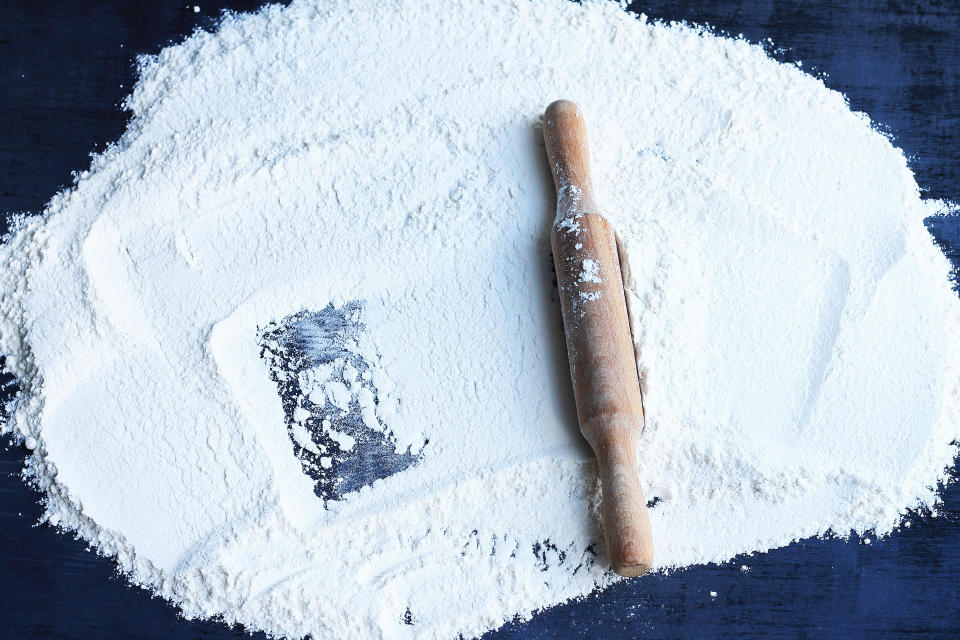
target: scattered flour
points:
(796, 331)
(590, 271)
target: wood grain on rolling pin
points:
(599, 345)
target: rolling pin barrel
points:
(599, 344)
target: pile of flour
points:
(795, 326)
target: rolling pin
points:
(603, 365)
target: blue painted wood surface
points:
(64, 68)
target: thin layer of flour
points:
(796, 330)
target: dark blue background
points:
(65, 66)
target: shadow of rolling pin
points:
(599, 345)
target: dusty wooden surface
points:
(603, 365)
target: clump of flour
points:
(796, 331)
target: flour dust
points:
(290, 352)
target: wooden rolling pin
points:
(602, 361)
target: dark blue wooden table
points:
(66, 65)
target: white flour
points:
(796, 330)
